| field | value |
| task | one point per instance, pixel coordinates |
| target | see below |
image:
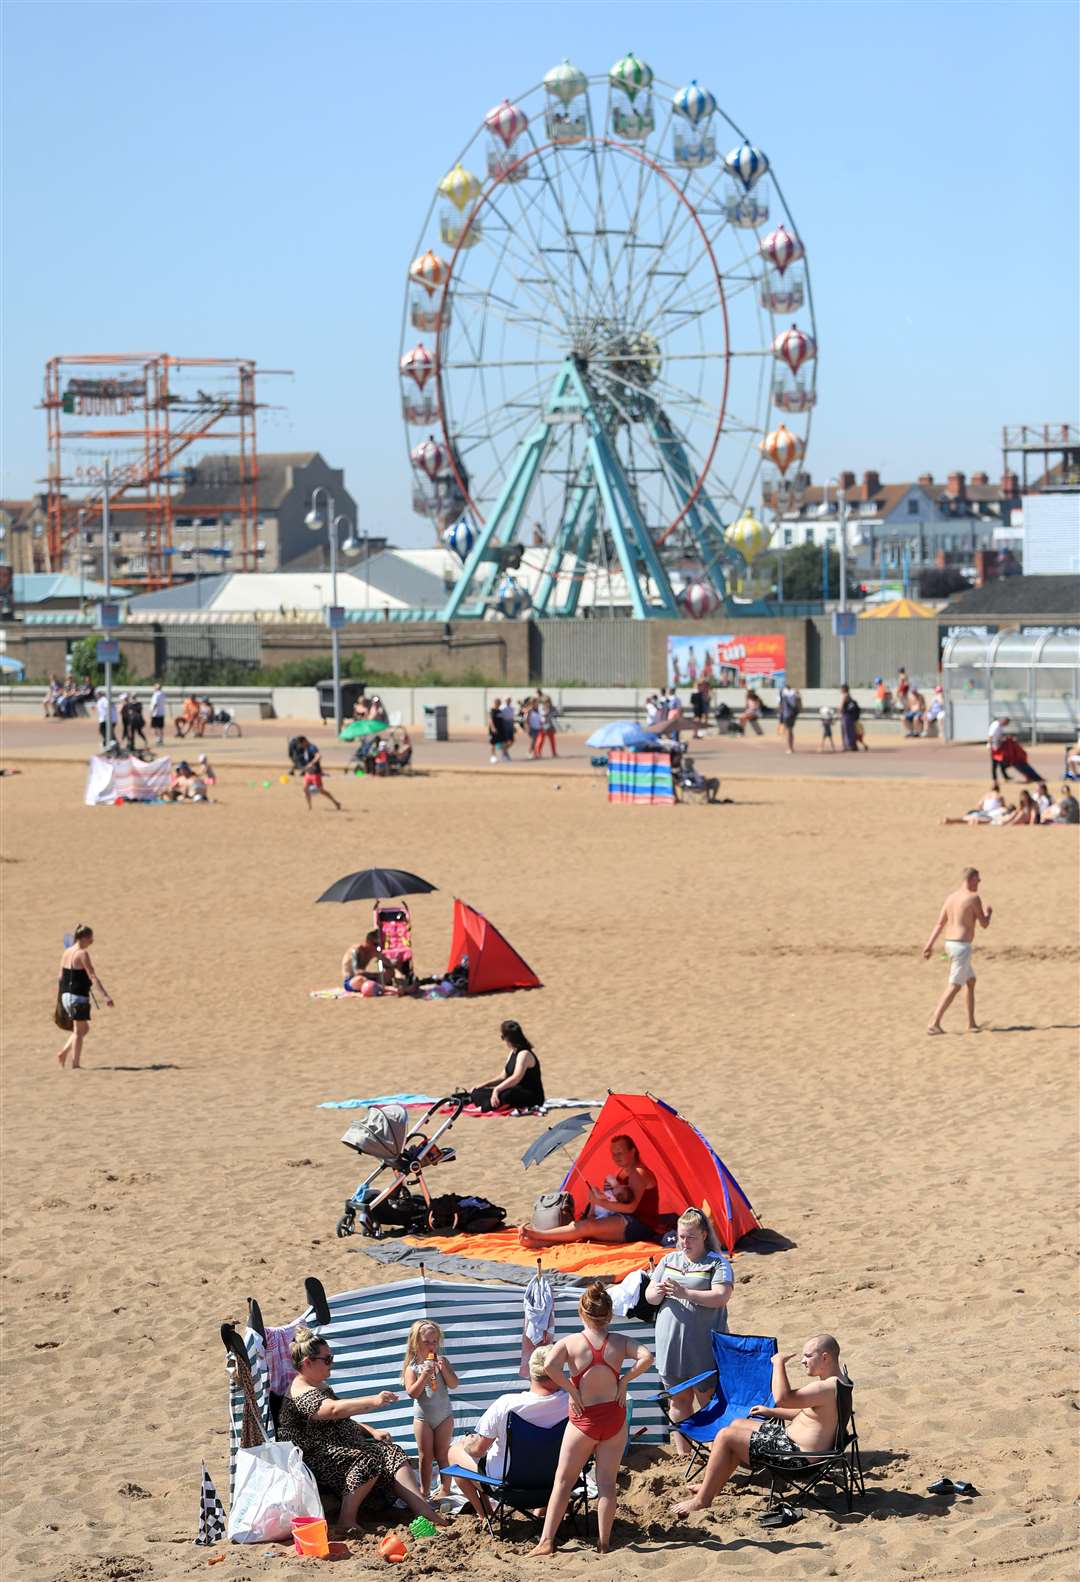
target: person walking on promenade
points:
(849, 719)
(960, 912)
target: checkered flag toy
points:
(211, 1512)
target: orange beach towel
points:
(611, 1260)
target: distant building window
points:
(809, 538)
(789, 537)
(832, 535)
(913, 508)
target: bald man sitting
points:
(802, 1421)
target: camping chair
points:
(744, 1379)
(528, 1476)
(840, 1466)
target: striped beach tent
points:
(482, 1324)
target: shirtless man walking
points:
(803, 1420)
(959, 915)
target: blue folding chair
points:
(744, 1379)
(528, 1476)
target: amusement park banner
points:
(728, 661)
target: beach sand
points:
(757, 965)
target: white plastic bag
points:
(272, 1486)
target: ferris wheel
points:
(608, 333)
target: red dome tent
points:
(494, 964)
(686, 1168)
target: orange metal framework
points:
(171, 422)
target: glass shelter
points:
(1033, 677)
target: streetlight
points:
(841, 497)
(316, 521)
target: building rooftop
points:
(38, 587)
(1019, 596)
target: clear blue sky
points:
(250, 179)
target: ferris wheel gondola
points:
(604, 320)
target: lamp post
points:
(841, 497)
(106, 555)
(316, 519)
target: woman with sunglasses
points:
(345, 1457)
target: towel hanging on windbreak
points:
(539, 1325)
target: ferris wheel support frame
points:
(571, 401)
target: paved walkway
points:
(263, 746)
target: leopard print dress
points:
(341, 1455)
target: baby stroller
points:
(385, 1136)
(393, 924)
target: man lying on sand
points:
(959, 914)
(803, 1420)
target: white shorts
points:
(960, 968)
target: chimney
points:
(980, 479)
(926, 479)
(956, 486)
(1010, 485)
(871, 484)
(846, 480)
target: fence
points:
(600, 653)
(878, 648)
(192, 654)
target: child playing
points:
(429, 1378)
(827, 716)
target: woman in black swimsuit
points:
(520, 1087)
(76, 974)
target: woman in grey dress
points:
(691, 1286)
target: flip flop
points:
(785, 1516)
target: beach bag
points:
(61, 1017)
(552, 1210)
(272, 1487)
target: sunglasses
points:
(324, 1356)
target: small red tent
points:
(687, 1170)
(494, 964)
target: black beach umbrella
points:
(376, 884)
(556, 1136)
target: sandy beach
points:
(758, 965)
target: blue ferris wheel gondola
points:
(747, 164)
(459, 538)
(694, 104)
(511, 597)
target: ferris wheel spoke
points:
(510, 314)
(538, 253)
(539, 288)
(682, 216)
(554, 187)
(554, 184)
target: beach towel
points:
(424, 1101)
(432, 1261)
(605, 1258)
(538, 1328)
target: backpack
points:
(452, 1214)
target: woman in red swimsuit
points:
(597, 1423)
